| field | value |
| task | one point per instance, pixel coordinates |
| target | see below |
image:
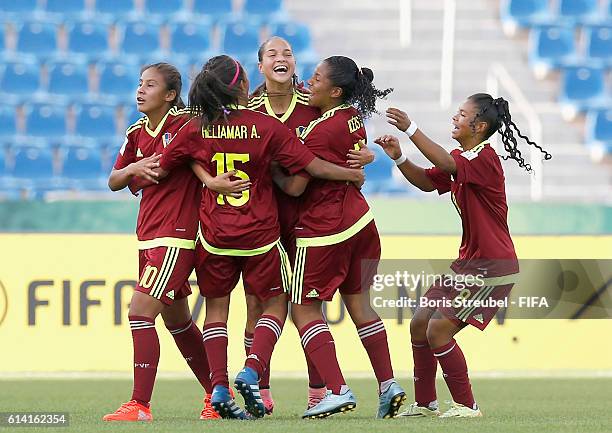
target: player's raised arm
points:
(435, 153)
(144, 169)
(413, 173)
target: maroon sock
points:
(146, 357)
(188, 339)
(267, 332)
(455, 370)
(214, 337)
(374, 339)
(314, 378)
(319, 346)
(425, 366)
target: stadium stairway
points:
(368, 31)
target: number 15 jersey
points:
(247, 143)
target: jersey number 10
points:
(227, 162)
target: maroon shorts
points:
(466, 304)
(164, 273)
(348, 266)
(264, 275)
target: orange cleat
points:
(130, 411)
(208, 412)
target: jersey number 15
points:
(227, 162)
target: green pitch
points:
(509, 405)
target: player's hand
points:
(145, 168)
(390, 145)
(359, 158)
(398, 118)
(224, 185)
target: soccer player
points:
(474, 176)
(282, 97)
(240, 235)
(166, 230)
(338, 247)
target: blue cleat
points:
(247, 384)
(331, 404)
(225, 405)
(390, 401)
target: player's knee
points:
(418, 328)
(436, 334)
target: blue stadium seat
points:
(82, 163)
(297, 34)
(264, 8)
(37, 37)
(191, 39)
(599, 127)
(524, 13)
(68, 79)
(88, 37)
(551, 47)
(19, 80)
(217, 9)
(114, 10)
(96, 121)
(66, 8)
(8, 121)
(583, 88)
(139, 38)
(46, 120)
(579, 10)
(164, 7)
(10, 10)
(599, 43)
(118, 81)
(240, 38)
(33, 163)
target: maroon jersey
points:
(478, 192)
(297, 117)
(169, 210)
(330, 207)
(247, 143)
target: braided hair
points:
(356, 84)
(216, 89)
(496, 114)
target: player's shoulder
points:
(302, 96)
(179, 115)
(136, 126)
(330, 120)
(257, 101)
(480, 152)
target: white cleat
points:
(460, 411)
(416, 411)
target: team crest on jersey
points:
(300, 130)
(167, 138)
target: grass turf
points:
(509, 405)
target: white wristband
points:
(411, 129)
(399, 161)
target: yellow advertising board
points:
(64, 299)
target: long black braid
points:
(211, 96)
(496, 114)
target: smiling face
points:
(277, 62)
(464, 127)
(152, 93)
(323, 94)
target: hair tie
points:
(225, 110)
(236, 74)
